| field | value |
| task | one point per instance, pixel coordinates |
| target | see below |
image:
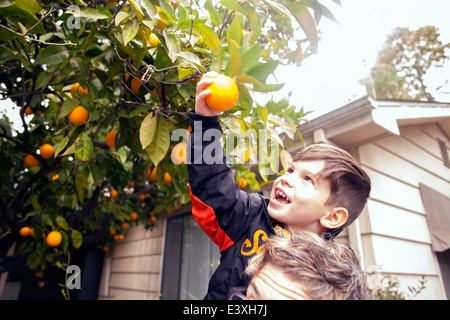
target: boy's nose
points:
(286, 181)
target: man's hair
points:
(325, 270)
(350, 185)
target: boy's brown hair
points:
(350, 185)
(326, 270)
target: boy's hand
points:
(201, 107)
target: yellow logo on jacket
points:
(248, 248)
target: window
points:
(444, 153)
(190, 259)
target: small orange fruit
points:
(78, 116)
(41, 284)
(224, 93)
(167, 179)
(54, 239)
(76, 87)
(136, 85)
(124, 226)
(25, 232)
(179, 153)
(242, 182)
(30, 161)
(46, 151)
(111, 138)
(153, 40)
(152, 176)
(134, 216)
(39, 274)
(55, 177)
(28, 110)
(113, 193)
(151, 219)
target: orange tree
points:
(105, 83)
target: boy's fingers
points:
(202, 84)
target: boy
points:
(323, 190)
(305, 267)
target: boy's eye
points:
(309, 179)
(290, 170)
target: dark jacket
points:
(236, 221)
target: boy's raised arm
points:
(219, 206)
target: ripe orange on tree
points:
(78, 116)
(46, 151)
(167, 179)
(153, 40)
(151, 219)
(224, 93)
(54, 239)
(113, 193)
(133, 216)
(28, 110)
(77, 87)
(111, 138)
(30, 161)
(242, 182)
(152, 176)
(179, 153)
(124, 226)
(112, 231)
(25, 232)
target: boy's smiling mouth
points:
(280, 198)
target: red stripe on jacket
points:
(207, 220)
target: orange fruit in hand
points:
(30, 161)
(110, 139)
(224, 93)
(167, 179)
(54, 238)
(25, 232)
(46, 151)
(179, 153)
(78, 116)
(76, 87)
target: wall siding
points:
(394, 229)
(135, 265)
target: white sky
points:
(330, 79)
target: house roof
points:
(367, 119)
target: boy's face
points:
(298, 197)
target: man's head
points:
(323, 189)
(306, 267)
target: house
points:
(404, 230)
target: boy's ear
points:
(336, 218)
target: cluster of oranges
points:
(46, 151)
(53, 239)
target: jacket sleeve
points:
(221, 209)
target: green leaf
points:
(235, 57)
(305, 20)
(122, 16)
(28, 5)
(235, 31)
(62, 223)
(160, 145)
(84, 148)
(77, 239)
(232, 5)
(129, 31)
(52, 55)
(214, 16)
(208, 35)
(90, 13)
(81, 178)
(147, 130)
(62, 145)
